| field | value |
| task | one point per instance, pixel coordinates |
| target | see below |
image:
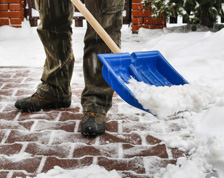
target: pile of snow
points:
(204, 140)
(22, 46)
(168, 101)
(93, 171)
(199, 57)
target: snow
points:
(93, 171)
(199, 106)
(167, 101)
(17, 157)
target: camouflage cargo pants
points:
(55, 33)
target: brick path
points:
(31, 143)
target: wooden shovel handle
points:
(96, 26)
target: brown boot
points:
(37, 102)
(93, 124)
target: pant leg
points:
(97, 94)
(55, 33)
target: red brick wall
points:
(11, 12)
(143, 18)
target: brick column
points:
(11, 12)
(143, 18)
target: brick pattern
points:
(142, 18)
(52, 137)
(11, 12)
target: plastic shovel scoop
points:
(118, 68)
(149, 67)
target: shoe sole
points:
(92, 133)
(34, 108)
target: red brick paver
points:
(31, 143)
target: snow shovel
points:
(149, 67)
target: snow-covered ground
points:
(197, 56)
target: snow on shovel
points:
(149, 67)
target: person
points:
(55, 32)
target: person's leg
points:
(97, 94)
(55, 33)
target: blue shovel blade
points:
(149, 67)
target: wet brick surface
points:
(31, 143)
